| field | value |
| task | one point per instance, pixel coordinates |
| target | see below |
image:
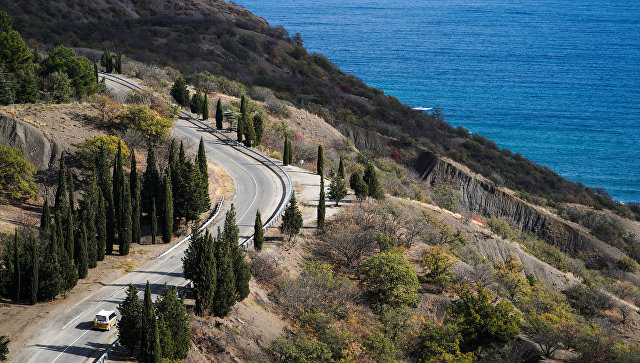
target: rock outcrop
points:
(38, 149)
(481, 197)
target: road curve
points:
(258, 185)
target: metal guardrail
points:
(288, 188)
(105, 356)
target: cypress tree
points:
(68, 271)
(72, 189)
(129, 326)
(320, 164)
(118, 194)
(205, 107)
(289, 153)
(35, 267)
(134, 182)
(16, 268)
(196, 103)
(83, 259)
(49, 281)
(285, 153)
(101, 227)
(154, 223)
(225, 295)
(70, 238)
(199, 266)
(62, 203)
(219, 115)
(173, 315)
(118, 66)
(249, 131)
(58, 230)
(179, 181)
(321, 204)
(90, 211)
(180, 93)
(45, 220)
(258, 124)
(291, 219)
(167, 224)
(125, 229)
(374, 189)
(151, 182)
(242, 120)
(150, 350)
(258, 233)
(95, 71)
(103, 59)
(111, 222)
(201, 162)
(341, 173)
(109, 62)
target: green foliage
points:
(205, 107)
(129, 325)
(320, 161)
(300, 349)
(16, 175)
(50, 280)
(150, 350)
(337, 190)
(341, 172)
(34, 266)
(154, 222)
(172, 314)
(136, 212)
(148, 122)
(374, 189)
(78, 69)
(58, 87)
(180, 93)
(627, 264)
(241, 269)
(90, 147)
(197, 103)
(482, 323)
(225, 295)
(291, 219)
(447, 198)
(219, 115)
(440, 343)
(390, 280)
(589, 301)
(258, 233)
(321, 205)
(83, 259)
(126, 229)
(167, 208)
(439, 264)
(101, 227)
(4, 347)
(199, 265)
(17, 61)
(360, 188)
(258, 125)
(151, 182)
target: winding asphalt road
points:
(258, 185)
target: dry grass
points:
(127, 265)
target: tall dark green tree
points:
(341, 173)
(70, 237)
(249, 132)
(89, 213)
(111, 221)
(83, 258)
(374, 189)
(136, 213)
(154, 223)
(258, 125)
(118, 65)
(151, 182)
(180, 93)
(45, 220)
(196, 103)
(199, 266)
(126, 228)
(150, 350)
(201, 161)
(258, 233)
(205, 107)
(120, 186)
(219, 115)
(242, 120)
(225, 295)
(291, 219)
(101, 228)
(17, 275)
(129, 326)
(285, 153)
(167, 209)
(78, 69)
(289, 153)
(62, 201)
(49, 276)
(173, 315)
(95, 72)
(321, 205)
(320, 163)
(35, 269)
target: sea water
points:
(556, 80)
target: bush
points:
(149, 122)
(278, 108)
(440, 266)
(260, 93)
(390, 280)
(627, 264)
(440, 343)
(588, 301)
(58, 88)
(447, 198)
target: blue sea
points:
(556, 80)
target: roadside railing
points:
(288, 187)
(105, 355)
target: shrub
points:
(148, 122)
(16, 175)
(627, 264)
(440, 264)
(278, 108)
(447, 198)
(58, 87)
(390, 280)
(260, 93)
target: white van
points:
(104, 320)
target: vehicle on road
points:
(104, 320)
